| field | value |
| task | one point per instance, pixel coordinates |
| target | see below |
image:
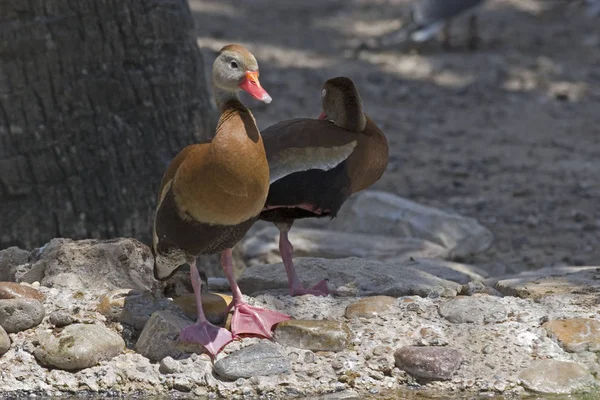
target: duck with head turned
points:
(210, 196)
(317, 164)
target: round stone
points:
(17, 315)
(370, 307)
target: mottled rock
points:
(94, 264)
(12, 290)
(169, 366)
(262, 359)
(368, 277)
(576, 334)
(78, 346)
(551, 281)
(160, 337)
(263, 247)
(370, 307)
(10, 258)
(313, 335)
(379, 213)
(4, 341)
(60, 318)
(435, 363)
(477, 310)
(213, 304)
(17, 315)
(553, 376)
(130, 306)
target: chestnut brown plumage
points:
(317, 164)
(210, 196)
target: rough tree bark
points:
(96, 97)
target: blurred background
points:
(97, 97)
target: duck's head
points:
(342, 104)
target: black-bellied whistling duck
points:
(211, 195)
(317, 164)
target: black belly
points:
(194, 238)
(325, 190)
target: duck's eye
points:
(233, 65)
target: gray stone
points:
(370, 307)
(434, 363)
(130, 306)
(343, 395)
(78, 346)
(4, 341)
(478, 310)
(263, 247)
(94, 264)
(10, 258)
(553, 376)
(380, 213)
(313, 335)
(262, 359)
(451, 271)
(60, 318)
(17, 315)
(368, 277)
(169, 366)
(160, 337)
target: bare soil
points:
(508, 134)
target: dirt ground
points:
(508, 134)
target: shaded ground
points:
(509, 134)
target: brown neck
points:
(349, 114)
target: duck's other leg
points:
(248, 320)
(286, 249)
(212, 337)
(473, 40)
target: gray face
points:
(229, 69)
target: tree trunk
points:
(96, 97)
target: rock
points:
(313, 335)
(551, 281)
(60, 318)
(262, 359)
(263, 247)
(213, 304)
(435, 363)
(130, 306)
(169, 366)
(17, 315)
(12, 290)
(4, 341)
(476, 310)
(379, 213)
(451, 271)
(94, 264)
(160, 337)
(370, 307)
(78, 346)
(575, 335)
(553, 376)
(10, 258)
(368, 277)
(344, 395)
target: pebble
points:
(17, 315)
(4, 341)
(315, 335)
(213, 304)
(169, 366)
(261, 359)
(60, 318)
(435, 363)
(129, 306)
(553, 376)
(78, 346)
(575, 335)
(12, 290)
(10, 258)
(370, 307)
(160, 337)
(478, 310)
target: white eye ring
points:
(323, 92)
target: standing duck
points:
(211, 195)
(317, 164)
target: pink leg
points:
(248, 320)
(211, 337)
(296, 287)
